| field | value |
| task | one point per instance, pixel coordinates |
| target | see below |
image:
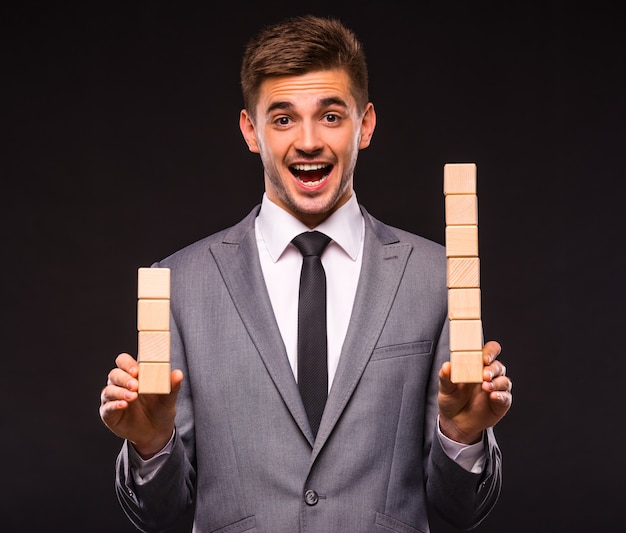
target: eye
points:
(331, 118)
(282, 121)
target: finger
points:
(112, 404)
(127, 363)
(121, 378)
(491, 351)
(177, 380)
(499, 384)
(494, 370)
(113, 393)
(502, 399)
(502, 384)
(445, 383)
(109, 408)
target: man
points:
(396, 436)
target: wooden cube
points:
(154, 378)
(462, 241)
(467, 367)
(466, 335)
(461, 209)
(464, 304)
(459, 178)
(153, 346)
(463, 272)
(153, 315)
(153, 283)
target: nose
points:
(309, 139)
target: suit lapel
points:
(384, 260)
(238, 260)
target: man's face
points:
(308, 132)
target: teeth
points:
(312, 183)
(304, 167)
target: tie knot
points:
(311, 243)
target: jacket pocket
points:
(386, 523)
(402, 350)
(246, 525)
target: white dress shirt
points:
(281, 263)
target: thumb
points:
(445, 383)
(176, 378)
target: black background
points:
(122, 145)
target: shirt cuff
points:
(144, 470)
(469, 456)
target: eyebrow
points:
(324, 102)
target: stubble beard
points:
(319, 205)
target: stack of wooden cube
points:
(153, 325)
(463, 272)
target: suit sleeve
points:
(460, 497)
(158, 503)
(463, 498)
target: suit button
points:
(311, 497)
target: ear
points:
(248, 131)
(368, 124)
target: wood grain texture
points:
(154, 378)
(467, 367)
(459, 178)
(464, 304)
(153, 315)
(153, 283)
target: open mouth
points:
(310, 174)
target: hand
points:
(147, 420)
(466, 409)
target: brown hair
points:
(300, 45)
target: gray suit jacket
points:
(243, 449)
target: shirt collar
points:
(278, 227)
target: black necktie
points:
(312, 345)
